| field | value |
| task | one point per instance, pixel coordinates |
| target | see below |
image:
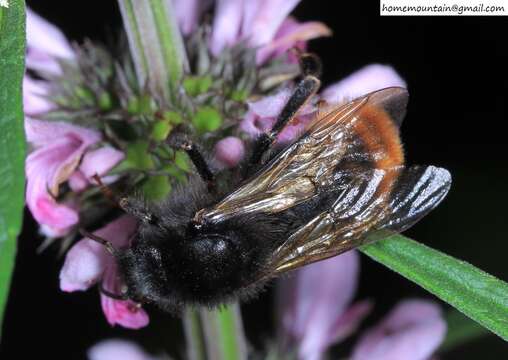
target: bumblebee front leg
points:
(182, 142)
(310, 66)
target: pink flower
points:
(96, 162)
(45, 45)
(316, 314)
(315, 305)
(188, 13)
(34, 92)
(229, 151)
(113, 349)
(412, 330)
(367, 79)
(58, 148)
(291, 34)
(88, 263)
(261, 23)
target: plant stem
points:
(194, 335)
(225, 339)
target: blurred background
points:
(457, 73)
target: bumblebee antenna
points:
(107, 244)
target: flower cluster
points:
(86, 116)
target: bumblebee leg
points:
(130, 207)
(305, 89)
(108, 293)
(182, 142)
(107, 244)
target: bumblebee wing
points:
(364, 212)
(362, 133)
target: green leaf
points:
(195, 85)
(12, 140)
(473, 292)
(207, 119)
(161, 130)
(138, 156)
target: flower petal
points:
(45, 44)
(291, 34)
(367, 79)
(100, 161)
(113, 349)
(124, 313)
(413, 330)
(188, 13)
(41, 133)
(78, 182)
(226, 24)
(314, 304)
(262, 19)
(33, 96)
(61, 147)
(87, 260)
(229, 151)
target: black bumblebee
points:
(341, 184)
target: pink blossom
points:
(45, 45)
(413, 330)
(263, 113)
(87, 260)
(315, 305)
(188, 13)
(88, 263)
(58, 149)
(292, 34)
(367, 79)
(262, 19)
(262, 24)
(113, 349)
(125, 313)
(34, 92)
(229, 151)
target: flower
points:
(263, 24)
(412, 330)
(113, 349)
(314, 304)
(45, 45)
(315, 314)
(229, 151)
(60, 150)
(88, 263)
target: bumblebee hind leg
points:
(310, 66)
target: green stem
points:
(155, 43)
(225, 339)
(194, 335)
